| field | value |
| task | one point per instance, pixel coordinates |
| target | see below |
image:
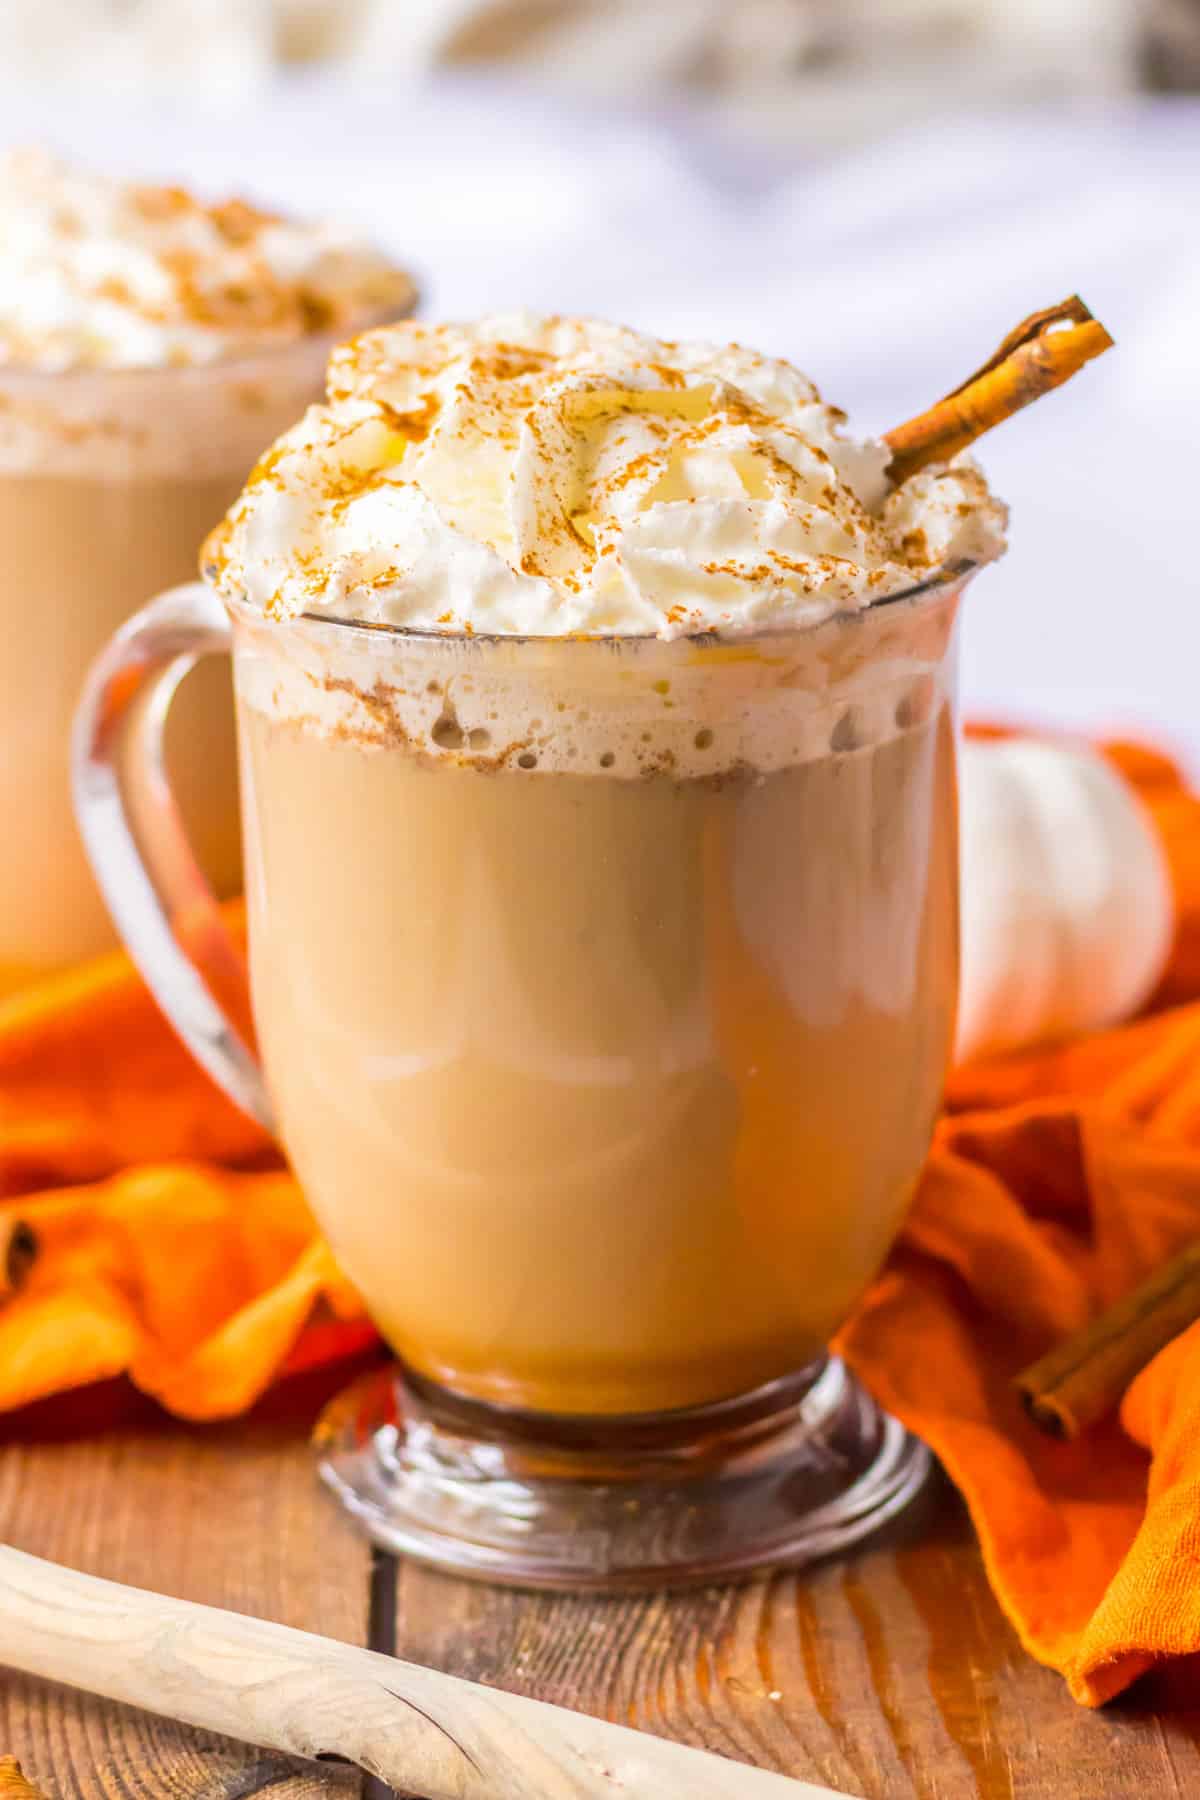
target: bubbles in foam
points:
(447, 733)
(916, 703)
(591, 709)
(847, 734)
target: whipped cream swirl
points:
(550, 476)
(97, 273)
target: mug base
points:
(796, 1470)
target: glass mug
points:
(605, 991)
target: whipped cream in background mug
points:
(100, 273)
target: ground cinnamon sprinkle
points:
(416, 424)
(162, 201)
(239, 222)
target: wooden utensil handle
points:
(287, 1690)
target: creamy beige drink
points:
(610, 1086)
(149, 346)
(601, 856)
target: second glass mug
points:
(605, 992)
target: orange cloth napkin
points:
(176, 1249)
(173, 1245)
(1059, 1178)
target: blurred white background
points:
(819, 70)
(876, 188)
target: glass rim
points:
(274, 350)
(944, 580)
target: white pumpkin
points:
(1067, 912)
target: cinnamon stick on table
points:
(1084, 1378)
(1043, 351)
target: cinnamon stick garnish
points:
(1084, 1378)
(18, 1253)
(1043, 351)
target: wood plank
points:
(232, 1517)
(891, 1674)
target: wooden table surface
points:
(889, 1673)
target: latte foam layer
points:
(622, 709)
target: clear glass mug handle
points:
(134, 834)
